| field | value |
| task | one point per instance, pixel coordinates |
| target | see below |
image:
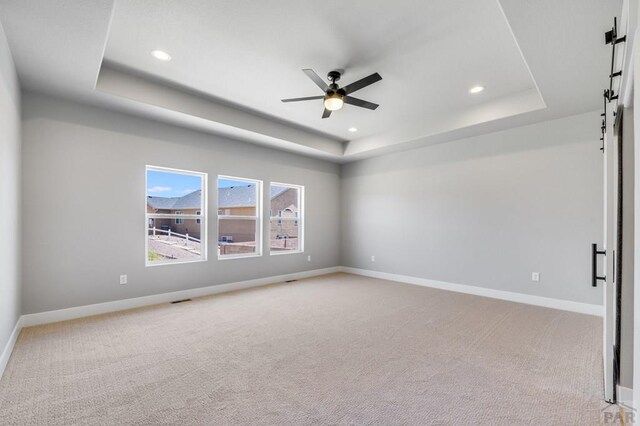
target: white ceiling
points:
(234, 61)
(429, 54)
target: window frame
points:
(179, 221)
(258, 218)
(204, 178)
(298, 220)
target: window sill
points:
(285, 252)
(150, 265)
(239, 256)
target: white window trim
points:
(203, 225)
(299, 219)
(238, 256)
(258, 218)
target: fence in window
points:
(176, 242)
(175, 216)
(154, 232)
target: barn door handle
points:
(594, 265)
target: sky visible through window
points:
(171, 184)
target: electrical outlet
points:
(535, 276)
(373, 258)
(308, 258)
(123, 279)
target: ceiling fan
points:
(335, 97)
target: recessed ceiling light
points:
(353, 129)
(476, 89)
(161, 55)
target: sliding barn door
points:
(606, 257)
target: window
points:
(239, 217)
(286, 228)
(176, 219)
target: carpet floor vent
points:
(180, 301)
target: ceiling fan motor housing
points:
(334, 76)
(333, 89)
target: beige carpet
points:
(337, 349)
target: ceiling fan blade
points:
(316, 79)
(308, 98)
(326, 113)
(362, 83)
(359, 102)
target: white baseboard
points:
(625, 396)
(30, 320)
(8, 349)
(547, 302)
(119, 305)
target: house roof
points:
(242, 196)
(189, 201)
(233, 196)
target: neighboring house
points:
(240, 201)
(232, 201)
(237, 201)
(283, 232)
(188, 204)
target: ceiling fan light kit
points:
(333, 102)
(334, 96)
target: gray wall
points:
(485, 211)
(9, 194)
(84, 204)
